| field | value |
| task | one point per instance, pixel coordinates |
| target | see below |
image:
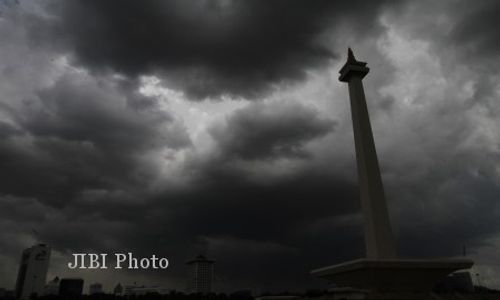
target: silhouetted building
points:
(128, 289)
(118, 290)
(244, 294)
(6, 294)
(145, 290)
(201, 275)
(285, 297)
(32, 271)
(52, 287)
(70, 288)
(96, 288)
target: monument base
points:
(392, 278)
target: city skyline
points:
(176, 128)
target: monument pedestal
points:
(392, 278)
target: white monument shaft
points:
(378, 234)
(380, 275)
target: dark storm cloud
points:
(7, 130)
(457, 193)
(476, 29)
(210, 47)
(458, 31)
(78, 110)
(241, 208)
(80, 134)
(263, 131)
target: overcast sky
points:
(179, 127)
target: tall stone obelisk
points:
(381, 275)
(378, 234)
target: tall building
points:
(32, 271)
(200, 275)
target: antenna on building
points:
(36, 235)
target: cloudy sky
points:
(179, 127)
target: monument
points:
(381, 275)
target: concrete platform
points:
(392, 278)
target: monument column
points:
(380, 275)
(379, 241)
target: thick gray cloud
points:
(269, 131)
(476, 30)
(206, 48)
(81, 134)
